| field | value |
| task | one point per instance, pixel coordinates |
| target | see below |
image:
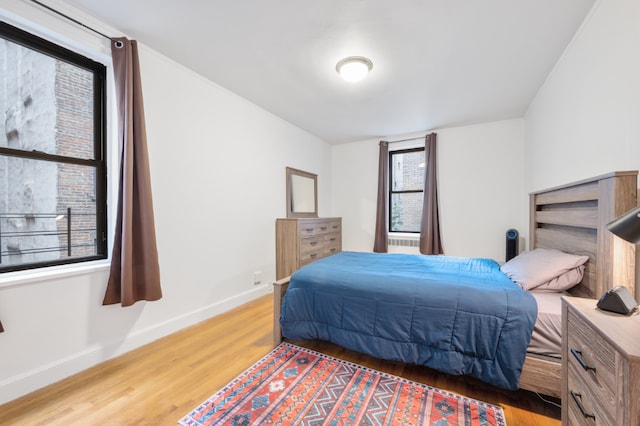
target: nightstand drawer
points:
(591, 357)
(587, 399)
(600, 365)
(576, 417)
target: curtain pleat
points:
(381, 242)
(430, 242)
(135, 270)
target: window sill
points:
(11, 279)
(407, 235)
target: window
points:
(406, 189)
(52, 154)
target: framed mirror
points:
(302, 194)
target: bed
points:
(571, 218)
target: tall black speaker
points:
(512, 244)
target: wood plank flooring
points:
(162, 381)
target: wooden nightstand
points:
(600, 365)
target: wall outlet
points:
(257, 278)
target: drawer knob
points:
(578, 355)
(313, 243)
(577, 397)
(324, 228)
(313, 255)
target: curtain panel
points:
(430, 242)
(135, 270)
(381, 236)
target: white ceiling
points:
(436, 63)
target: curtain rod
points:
(407, 140)
(75, 21)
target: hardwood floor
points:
(161, 382)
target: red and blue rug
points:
(296, 386)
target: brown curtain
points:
(381, 243)
(1, 327)
(135, 271)
(430, 227)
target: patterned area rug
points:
(295, 386)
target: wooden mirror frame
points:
(291, 193)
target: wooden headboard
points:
(573, 218)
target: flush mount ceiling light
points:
(354, 68)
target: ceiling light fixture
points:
(354, 68)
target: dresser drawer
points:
(335, 226)
(312, 227)
(308, 257)
(323, 227)
(333, 239)
(332, 249)
(309, 228)
(314, 248)
(311, 244)
(332, 243)
(311, 248)
(328, 226)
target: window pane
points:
(46, 103)
(407, 171)
(406, 212)
(38, 200)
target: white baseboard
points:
(27, 382)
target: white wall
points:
(481, 188)
(215, 210)
(585, 120)
(218, 175)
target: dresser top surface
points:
(303, 219)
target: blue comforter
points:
(456, 315)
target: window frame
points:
(99, 161)
(392, 192)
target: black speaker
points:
(512, 244)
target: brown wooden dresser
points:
(302, 240)
(600, 365)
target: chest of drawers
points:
(600, 365)
(301, 241)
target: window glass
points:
(47, 103)
(52, 170)
(406, 174)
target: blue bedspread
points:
(456, 315)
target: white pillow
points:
(545, 269)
